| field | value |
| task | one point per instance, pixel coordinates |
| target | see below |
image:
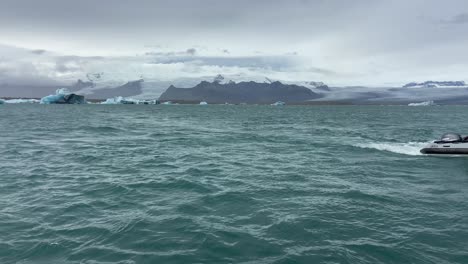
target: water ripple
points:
(237, 184)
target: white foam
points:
(410, 148)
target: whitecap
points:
(409, 148)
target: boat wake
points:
(410, 148)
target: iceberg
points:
(123, 100)
(427, 103)
(22, 101)
(149, 102)
(1, 101)
(279, 103)
(119, 100)
(203, 103)
(63, 96)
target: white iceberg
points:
(427, 103)
(203, 103)
(123, 100)
(22, 101)
(149, 102)
(279, 103)
(63, 96)
(119, 100)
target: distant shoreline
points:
(305, 103)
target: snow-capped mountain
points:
(436, 84)
(317, 85)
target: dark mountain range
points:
(243, 92)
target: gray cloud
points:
(461, 18)
(322, 71)
(38, 51)
(191, 51)
(67, 68)
(271, 62)
(343, 42)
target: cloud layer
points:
(363, 42)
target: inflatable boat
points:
(450, 143)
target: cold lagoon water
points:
(230, 184)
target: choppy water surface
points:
(230, 184)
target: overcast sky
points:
(340, 42)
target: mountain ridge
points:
(242, 92)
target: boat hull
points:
(446, 148)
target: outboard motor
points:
(450, 138)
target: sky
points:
(339, 42)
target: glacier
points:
(63, 96)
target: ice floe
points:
(279, 103)
(123, 100)
(63, 96)
(22, 101)
(427, 103)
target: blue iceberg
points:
(63, 96)
(1, 101)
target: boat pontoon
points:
(450, 143)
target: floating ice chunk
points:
(279, 103)
(427, 103)
(122, 100)
(1, 101)
(167, 103)
(63, 96)
(149, 102)
(22, 101)
(203, 103)
(118, 100)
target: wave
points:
(410, 148)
